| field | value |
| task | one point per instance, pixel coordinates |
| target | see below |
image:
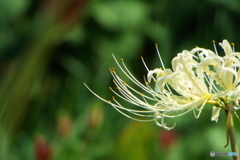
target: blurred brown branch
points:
(55, 19)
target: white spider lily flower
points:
(198, 77)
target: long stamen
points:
(144, 63)
(214, 45)
(130, 76)
(159, 55)
(233, 47)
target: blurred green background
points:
(49, 48)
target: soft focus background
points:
(49, 48)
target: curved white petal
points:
(215, 113)
(226, 47)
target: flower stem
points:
(233, 139)
(230, 131)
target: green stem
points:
(233, 139)
(230, 130)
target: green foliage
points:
(45, 59)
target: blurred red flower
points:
(167, 138)
(42, 150)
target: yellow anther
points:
(213, 41)
(196, 47)
(118, 88)
(232, 44)
(146, 82)
(141, 94)
(190, 89)
(114, 80)
(142, 57)
(155, 81)
(121, 59)
(109, 101)
(191, 98)
(113, 97)
(110, 88)
(123, 82)
(156, 44)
